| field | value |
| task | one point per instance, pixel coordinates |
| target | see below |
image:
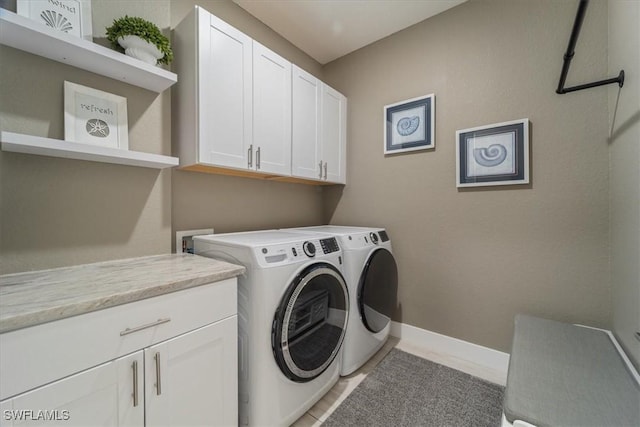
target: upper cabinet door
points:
(225, 93)
(271, 111)
(334, 135)
(305, 148)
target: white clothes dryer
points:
(372, 278)
(293, 308)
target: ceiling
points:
(329, 29)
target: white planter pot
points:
(141, 49)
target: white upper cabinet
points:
(271, 111)
(225, 76)
(214, 110)
(242, 109)
(319, 130)
(334, 135)
(305, 150)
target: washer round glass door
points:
(378, 290)
(310, 322)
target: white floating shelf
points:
(19, 143)
(25, 34)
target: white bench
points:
(564, 375)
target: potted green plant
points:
(140, 39)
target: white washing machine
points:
(293, 308)
(372, 278)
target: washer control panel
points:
(278, 254)
(329, 245)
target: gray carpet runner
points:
(406, 390)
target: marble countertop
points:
(32, 298)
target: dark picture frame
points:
(496, 154)
(410, 125)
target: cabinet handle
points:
(320, 174)
(258, 158)
(158, 378)
(325, 170)
(148, 325)
(135, 383)
(250, 156)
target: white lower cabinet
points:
(179, 367)
(101, 396)
(189, 380)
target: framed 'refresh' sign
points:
(95, 117)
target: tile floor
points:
(345, 385)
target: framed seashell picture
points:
(95, 117)
(496, 154)
(410, 125)
(69, 16)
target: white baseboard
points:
(484, 357)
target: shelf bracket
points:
(568, 56)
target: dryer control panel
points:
(357, 241)
(278, 254)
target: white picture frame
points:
(410, 125)
(95, 117)
(69, 16)
(496, 154)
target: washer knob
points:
(309, 249)
(374, 238)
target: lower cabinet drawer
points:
(35, 356)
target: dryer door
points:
(377, 290)
(309, 325)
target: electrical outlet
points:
(184, 239)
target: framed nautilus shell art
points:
(496, 154)
(410, 125)
(68, 16)
(94, 117)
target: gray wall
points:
(624, 184)
(469, 260)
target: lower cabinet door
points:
(191, 380)
(101, 396)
